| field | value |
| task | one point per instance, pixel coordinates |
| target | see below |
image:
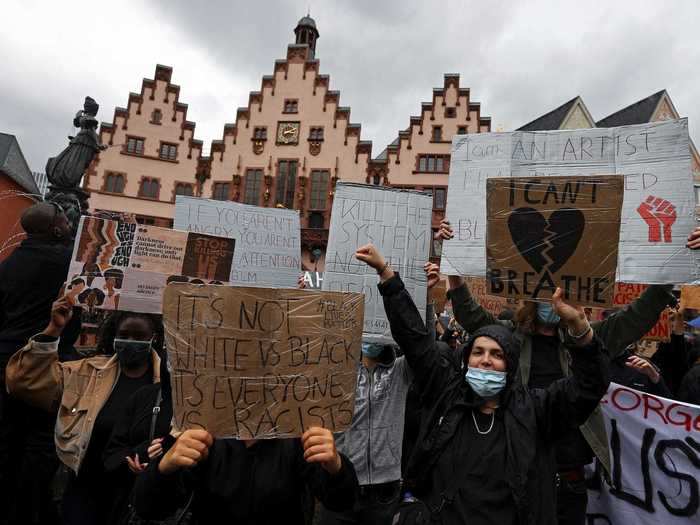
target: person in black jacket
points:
(639, 373)
(689, 389)
(485, 451)
(30, 279)
(131, 446)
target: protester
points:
(544, 360)
(636, 372)
(30, 279)
(247, 481)
(485, 450)
(671, 358)
(374, 441)
(90, 394)
(140, 434)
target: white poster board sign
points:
(655, 457)
(398, 223)
(268, 240)
(658, 212)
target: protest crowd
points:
(468, 416)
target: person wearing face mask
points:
(544, 359)
(90, 394)
(30, 279)
(485, 453)
(375, 438)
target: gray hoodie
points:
(373, 442)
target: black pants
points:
(28, 460)
(572, 500)
(376, 505)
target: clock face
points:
(288, 133)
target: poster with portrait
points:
(126, 266)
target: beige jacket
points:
(79, 389)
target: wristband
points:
(578, 337)
(381, 270)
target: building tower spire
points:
(306, 33)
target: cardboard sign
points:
(126, 266)
(690, 297)
(659, 202)
(491, 303)
(655, 461)
(255, 363)
(398, 223)
(551, 232)
(625, 293)
(268, 240)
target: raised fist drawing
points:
(659, 214)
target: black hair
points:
(75, 282)
(196, 281)
(85, 294)
(177, 279)
(118, 276)
(108, 330)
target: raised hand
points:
(319, 447)
(445, 232)
(301, 283)
(190, 448)
(659, 214)
(694, 239)
(432, 272)
(573, 316)
(369, 255)
(645, 367)
(61, 314)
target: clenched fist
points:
(190, 448)
(319, 447)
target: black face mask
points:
(132, 353)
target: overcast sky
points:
(520, 59)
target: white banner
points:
(398, 223)
(658, 212)
(655, 457)
(268, 240)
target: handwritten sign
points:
(491, 303)
(659, 203)
(690, 297)
(262, 362)
(398, 223)
(553, 232)
(126, 266)
(655, 457)
(625, 293)
(268, 246)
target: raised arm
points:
(630, 324)
(407, 327)
(33, 373)
(570, 401)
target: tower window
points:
(156, 116)
(450, 112)
(316, 134)
(437, 134)
(291, 105)
(260, 133)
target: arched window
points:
(150, 188)
(182, 188)
(114, 183)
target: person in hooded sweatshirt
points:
(485, 453)
(375, 438)
(544, 360)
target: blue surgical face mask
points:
(485, 383)
(372, 350)
(546, 314)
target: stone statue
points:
(66, 170)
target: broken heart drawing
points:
(546, 244)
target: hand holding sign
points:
(319, 447)
(61, 314)
(190, 448)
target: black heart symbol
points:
(546, 244)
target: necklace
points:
(476, 425)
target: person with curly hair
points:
(89, 394)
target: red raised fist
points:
(659, 214)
